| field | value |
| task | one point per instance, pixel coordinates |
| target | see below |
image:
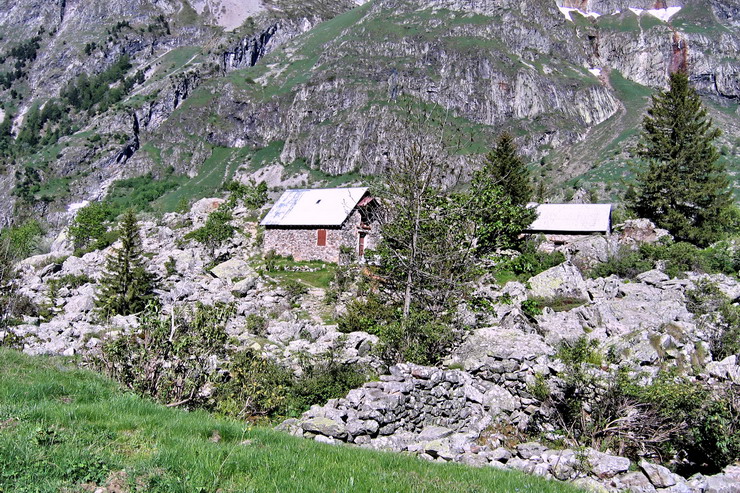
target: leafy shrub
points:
(270, 261)
(326, 378)
(21, 241)
(422, 338)
(90, 226)
(626, 264)
(170, 357)
(294, 290)
(531, 261)
(678, 258)
(216, 230)
(253, 195)
(367, 315)
(256, 386)
(705, 421)
(256, 324)
(719, 313)
(582, 350)
(531, 308)
(539, 388)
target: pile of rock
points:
(187, 276)
(452, 415)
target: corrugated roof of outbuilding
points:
(316, 207)
(576, 218)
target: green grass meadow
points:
(66, 429)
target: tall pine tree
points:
(126, 287)
(681, 185)
(501, 190)
(504, 167)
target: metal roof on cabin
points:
(576, 218)
(318, 207)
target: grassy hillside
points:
(65, 429)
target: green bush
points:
(326, 378)
(422, 338)
(678, 258)
(89, 229)
(625, 264)
(170, 357)
(294, 289)
(717, 310)
(216, 230)
(707, 428)
(256, 324)
(582, 350)
(367, 315)
(528, 263)
(22, 241)
(531, 308)
(256, 387)
(253, 195)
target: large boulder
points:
(205, 206)
(561, 281)
(233, 269)
(587, 252)
(605, 465)
(494, 343)
(325, 426)
(637, 231)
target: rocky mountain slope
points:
(302, 92)
(493, 395)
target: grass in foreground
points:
(65, 429)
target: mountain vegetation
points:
(683, 186)
(142, 142)
(126, 287)
(55, 413)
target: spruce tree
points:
(681, 185)
(500, 192)
(504, 167)
(126, 287)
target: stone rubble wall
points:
(452, 415)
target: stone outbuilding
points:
(566, 223)
(320, 224)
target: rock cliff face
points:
(335, 87)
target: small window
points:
(321, 238)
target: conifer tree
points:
(126, 287)
(682, 186)
(504, 167)
(500, 192)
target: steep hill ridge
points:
(334, 97)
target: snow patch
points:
(73, 208)
(662, 14)
(595, 71)
(567, 11)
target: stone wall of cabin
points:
(301, 243)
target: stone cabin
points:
(565, 223)
(316, 224)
